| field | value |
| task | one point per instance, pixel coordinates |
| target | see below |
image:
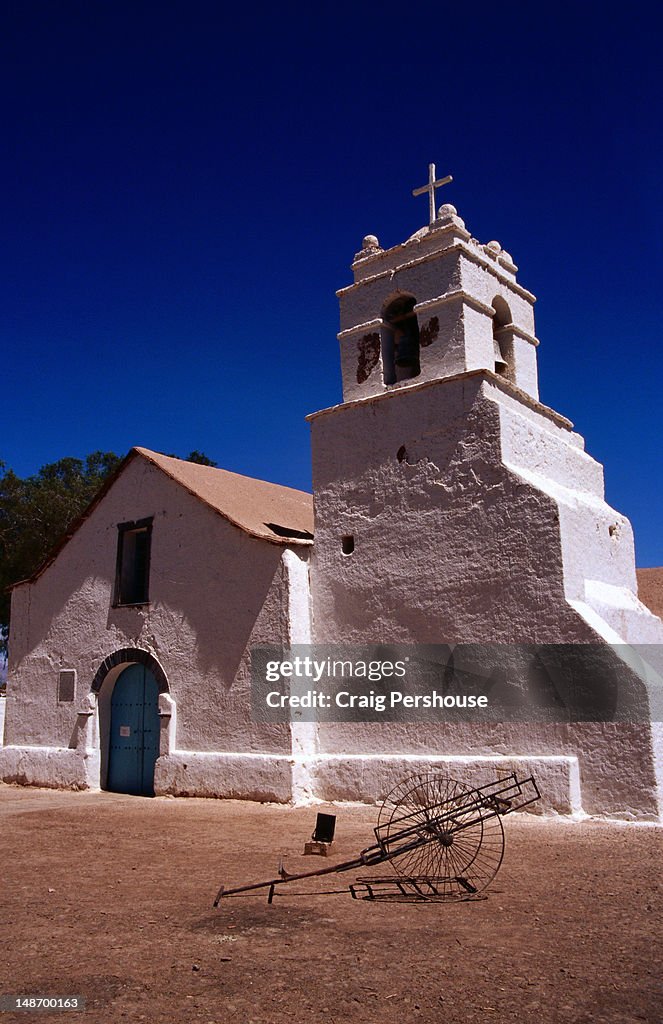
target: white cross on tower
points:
(430, 188)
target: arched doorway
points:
(134, 732)
(103, 688)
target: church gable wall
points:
(213, 591)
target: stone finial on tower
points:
(370, 246)
(447, 214)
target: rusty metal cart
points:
(443, 839)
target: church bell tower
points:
(450, 504)
(453, 507)
(438, 305)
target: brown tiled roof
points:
(280, 515)
(269, 511)
(650, 589)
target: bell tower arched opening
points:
(400, 340)
(502, 344)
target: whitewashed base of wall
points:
(280, 779)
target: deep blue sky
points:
(184, 186)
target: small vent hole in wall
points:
(347, 544)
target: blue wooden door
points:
(134, 732)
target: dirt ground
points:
(110, 897)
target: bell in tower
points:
(400, 340)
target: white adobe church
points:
(449, 505)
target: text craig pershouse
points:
(372, 700)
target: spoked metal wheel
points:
(443, 841)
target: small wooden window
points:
(133, 562)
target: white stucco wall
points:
(476, 517)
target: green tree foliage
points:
(37, 511)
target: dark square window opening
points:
(132, 575)
(66, 686)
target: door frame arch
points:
(102, 687)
